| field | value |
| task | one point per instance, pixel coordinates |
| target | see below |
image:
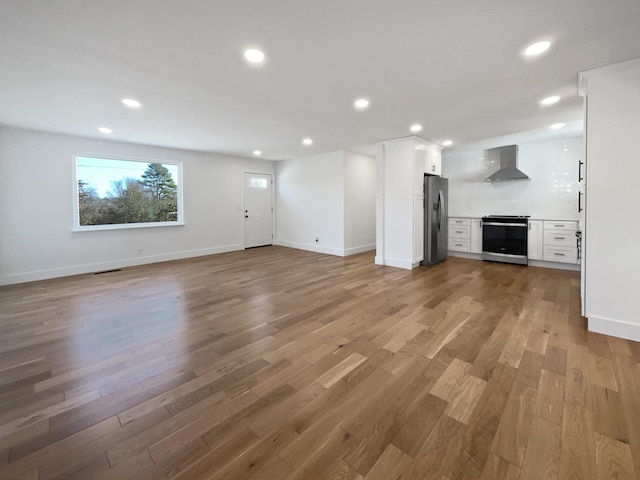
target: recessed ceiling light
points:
(361, 103)
(307, 141)
(130, 102)
(416, 128)
(254, 55)
(537, 48)
(557, 125)
(446, 143)
(104, 130)
(257, 153)
(550, 100)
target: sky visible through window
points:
(100, 172)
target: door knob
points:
(246, 216)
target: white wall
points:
(360, 203)
(552, 192)
(310, 203)
(330, 197)
(36, 208)
(612, 261)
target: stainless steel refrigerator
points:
(436, 219)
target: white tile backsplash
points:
(551, 193)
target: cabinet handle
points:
(458, 244)
(559, 254)
(562, 225)
(433, 168)
(580, 177)
(560, 238)
(580, 201)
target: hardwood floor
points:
(274, 363)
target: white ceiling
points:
(453, 66)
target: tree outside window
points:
(125, 192)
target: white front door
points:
(258, 211)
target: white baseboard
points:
(394, 262)
(470, 256)
(360, 249)
(615, 328)
(111, 265)
(310, 247)
(532, 263)
(575, 267)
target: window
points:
(258, 183)
(116, 193)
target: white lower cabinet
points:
(554, 253)
(476, 235)
(459, 237)
(465, 235)
(547, 240)
(535, 240)
(560, 241)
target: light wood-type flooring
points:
(280, 364)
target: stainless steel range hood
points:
(508, 171)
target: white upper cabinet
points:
(433, 162)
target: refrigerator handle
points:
(440, 207)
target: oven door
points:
(504, 238)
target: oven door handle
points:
(492, 224)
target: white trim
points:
(98, 267)
(574, 267)
(120, 226)
(615, 328)
(394, 262)
(360, 249)
(470, 256)
(532, 263)
(310, 247)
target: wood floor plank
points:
(577, 458)
(498, 468)
(252, 365)
(391, 464)
(542, 456)
(339, 371)
(550, 398)
(613, 459)
(512, 435)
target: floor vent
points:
(108, 271)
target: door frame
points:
(273, 201)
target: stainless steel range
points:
(504, 238)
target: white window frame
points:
(120, 226)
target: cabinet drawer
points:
(460, 221)
(459, 245)
(560, 225)
(560, 254)
(560, 237)
(461, 232)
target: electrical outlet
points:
(139, 251)
(317, 239)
